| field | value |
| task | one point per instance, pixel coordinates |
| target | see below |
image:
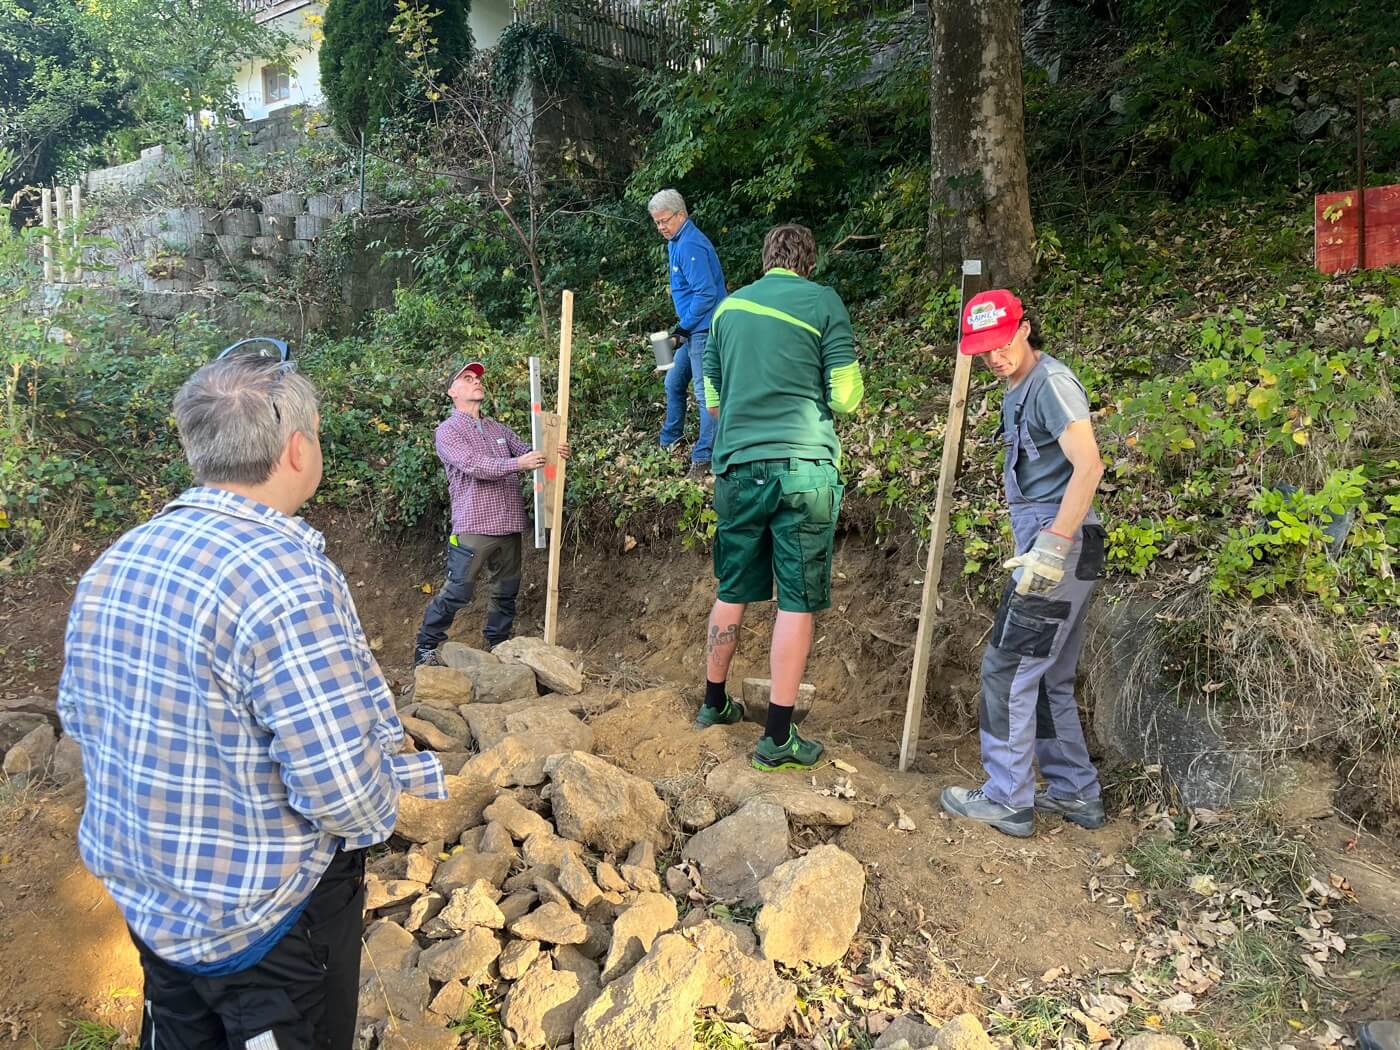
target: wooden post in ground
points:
(556, 516)
(76, 201)
(61, 225)
(973, 282)
(46, 221)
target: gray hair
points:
(666, 200)
(236, 415)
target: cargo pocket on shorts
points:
(815, 499)
(1026, 624)
(1091, 553)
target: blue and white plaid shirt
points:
(235, 729)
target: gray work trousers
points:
(1028, 708)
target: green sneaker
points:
(795, 754)
(731, 713)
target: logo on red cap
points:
(989, 321)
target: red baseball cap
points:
(476, 368)
(989, 321)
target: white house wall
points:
(488, 20)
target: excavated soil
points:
(961, 902)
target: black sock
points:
(779, 726)
(714, 695)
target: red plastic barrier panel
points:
(1334, 229)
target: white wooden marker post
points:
(61, 224)
(46, 221)
(77, 204)
(556, 516)
(973, 282)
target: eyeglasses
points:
(264, 348)
(665, 220)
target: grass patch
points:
(90, 1035)
(1034, 1021)
(713, 1034)
(478, 1021)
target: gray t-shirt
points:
(1059, 399)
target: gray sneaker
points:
(1086, 812)
(973, 804)
(1379, 1035)
(427, 658)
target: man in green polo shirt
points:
(780, 361)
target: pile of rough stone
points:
(537, 881)
(30, 744)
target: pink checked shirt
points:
(482, 480)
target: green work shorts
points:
(776, 522)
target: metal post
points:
(61, 224)
(46, 221)
(537, 441)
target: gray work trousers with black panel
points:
(497, 558)
(1028, 707)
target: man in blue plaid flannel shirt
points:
(240, 745)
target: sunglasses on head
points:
(260, 346)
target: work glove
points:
(679, 335)
(1043, 566)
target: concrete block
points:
(323, 205)
(234, 247)
(287, 203)
(269, 248)
(309, 227)
(755, 696)
(241, 222)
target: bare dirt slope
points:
(968, 903)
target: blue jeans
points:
(690, 365)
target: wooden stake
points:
(46, 221)
(61, 225)
(556, 516)
(973, 282)
(76, 200)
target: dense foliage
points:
(365, 75)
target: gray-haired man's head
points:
(236, 415)
(667, 210)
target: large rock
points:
(16, 725)
(600, 805)
(557, 668)
(516, 958)
(737, 781)
(577, 883)
(742, 850)
(552, 923)
(520, 821)
(1139, 710)
(811, 907)
(450, 728)
(442, 686)
(44, 706)
(462, 657)
(544, 1005)
(402, 994)
(474, 905)
(500, 683)
(381, 893)
(657, 997)
(466, 958)
(741, 985)
(428, 736)
(963, 1032)
(909, 1029)
(549, 850)
(28, 760)
(517, 759)
(387, 946)
(466, 866)
(488, 722)
(636, 929)
(1152, 1041)
(444, 820)
(67, 765)
(410, 1035)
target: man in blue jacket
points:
(697, 286)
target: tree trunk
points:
(979, 198)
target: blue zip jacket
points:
(697, 283)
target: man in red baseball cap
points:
(1051, 472)
(483, 459)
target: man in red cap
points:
(483, 459)
(1051, 473)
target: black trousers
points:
(497, 559)
(303, 995)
